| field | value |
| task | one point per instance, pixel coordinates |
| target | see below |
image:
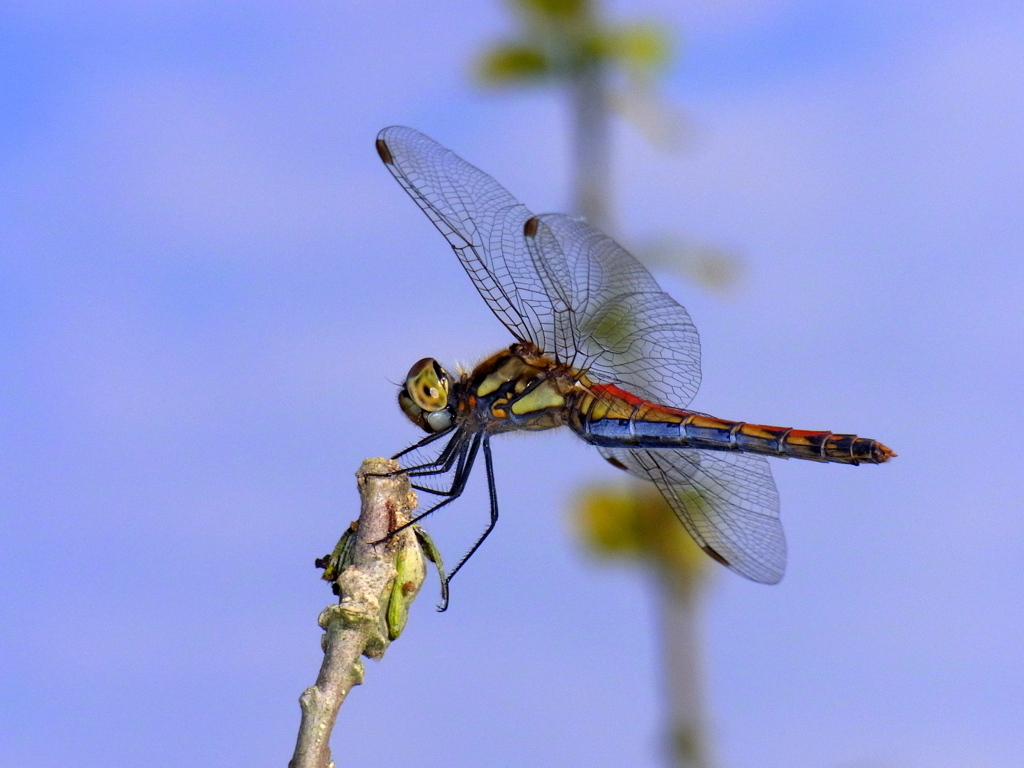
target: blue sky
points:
(208, 284)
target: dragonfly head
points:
(425, 396)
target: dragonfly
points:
(600, 349)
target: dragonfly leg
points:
(456, 451)
(467, 457)
(460, 471)
(425, 441)
(493, 494)
(437, 466)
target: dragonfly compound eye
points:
(427, 385)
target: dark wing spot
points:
(714, 555)
(616, 463)
(530, 227)
(384, 152)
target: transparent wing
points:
(566, 287)
(727, 501)
(611, 317)
(481, 220)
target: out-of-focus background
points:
(209, 283)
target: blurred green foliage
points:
(560, 38)
(632, 521)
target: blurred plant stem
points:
(565, 43)
(632, 521)
(604, 69)
(592, 161)
(376, 581)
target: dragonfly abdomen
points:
(615, 418)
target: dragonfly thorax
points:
(426, 399)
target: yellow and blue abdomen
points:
(610, 417)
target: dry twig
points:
(377, 579)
